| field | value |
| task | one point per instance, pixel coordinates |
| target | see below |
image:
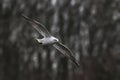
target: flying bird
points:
(48, 39)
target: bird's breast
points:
(48, 41)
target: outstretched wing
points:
(38, 26)
(66, 51)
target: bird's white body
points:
(47, 40)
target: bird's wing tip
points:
(24, 16)
(77, 64)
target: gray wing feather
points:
(66, 51)
(38, 26)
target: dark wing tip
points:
(67, 52)
(31, 20)
(77, 64)
(25, 17)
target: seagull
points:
(48, 39)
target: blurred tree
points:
(89, 27)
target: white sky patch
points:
(105, 45)
(53, 2)
(73, 2)
(93, 11)
(5, 3)
(77, 56)
(22, 6)
(35, 59)
(35, 35)
(54, 65)
(116, 15)
(44, 55)
(54, 27)
(39, 6)
(81, 9)
(52, 56)
(14, 34)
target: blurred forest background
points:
(90, 28)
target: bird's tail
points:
(39, 40)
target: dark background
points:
(90, 28)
